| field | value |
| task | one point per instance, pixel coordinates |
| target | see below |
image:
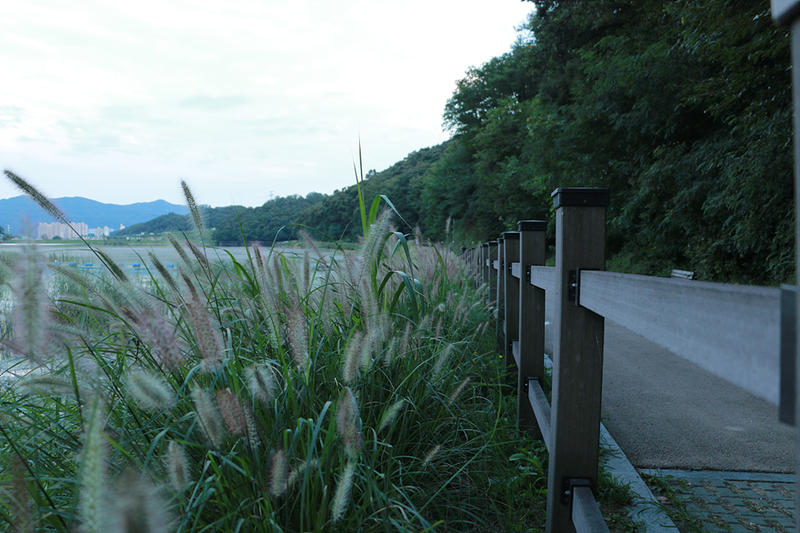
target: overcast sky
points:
(118, 101)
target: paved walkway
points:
(712, 443)
(732, 501)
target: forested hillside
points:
(682, 108)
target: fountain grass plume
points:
(151, 392)
(21, 501)
(177, 465)
(194, 211)
(209, 418)
(279, 474)
(348, 424)
(352, 359)
(93, 483)
(232, 412)
(199, 255)
(390, 414)
(138, 507)
(179, 248)
(51, 209)
(261, 382)
(298, 335)
(165, 274)
(43, 201)
(341, 497)
(207, 336)
(31, 316)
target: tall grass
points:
(343, 392)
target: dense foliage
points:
(682, 108)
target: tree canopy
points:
(682, 108)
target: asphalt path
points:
(668, 413)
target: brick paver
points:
(749, 505)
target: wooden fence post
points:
(491, 274)
(530, 348)
(501, 294)
(577, 352)
(482, 271)
(511, 286)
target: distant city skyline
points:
(74, 230)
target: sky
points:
(244, 100)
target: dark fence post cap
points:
(532, 225)
(511, 235)
(581, 197)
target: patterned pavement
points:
(738, 502)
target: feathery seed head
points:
(352, 359)
(279, 477)
(391, 414)
(348, 423)
(34, 339)
(208, 415)
(93, 503)
(151, 392)
(232, 412)
(36, 196)
(138, 507)
(206, 334)
(299, 472)
(177, 465)
(197, 218)
(442, 360)
(161, 335)
(252, 429)
(261, 382)
(199, 255)
(460, 390)
(341, 497)
(298, 336)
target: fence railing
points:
(732, 331)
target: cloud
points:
(214, 103)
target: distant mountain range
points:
(18, 211)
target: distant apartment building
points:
(98, 233)
(57, 229)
